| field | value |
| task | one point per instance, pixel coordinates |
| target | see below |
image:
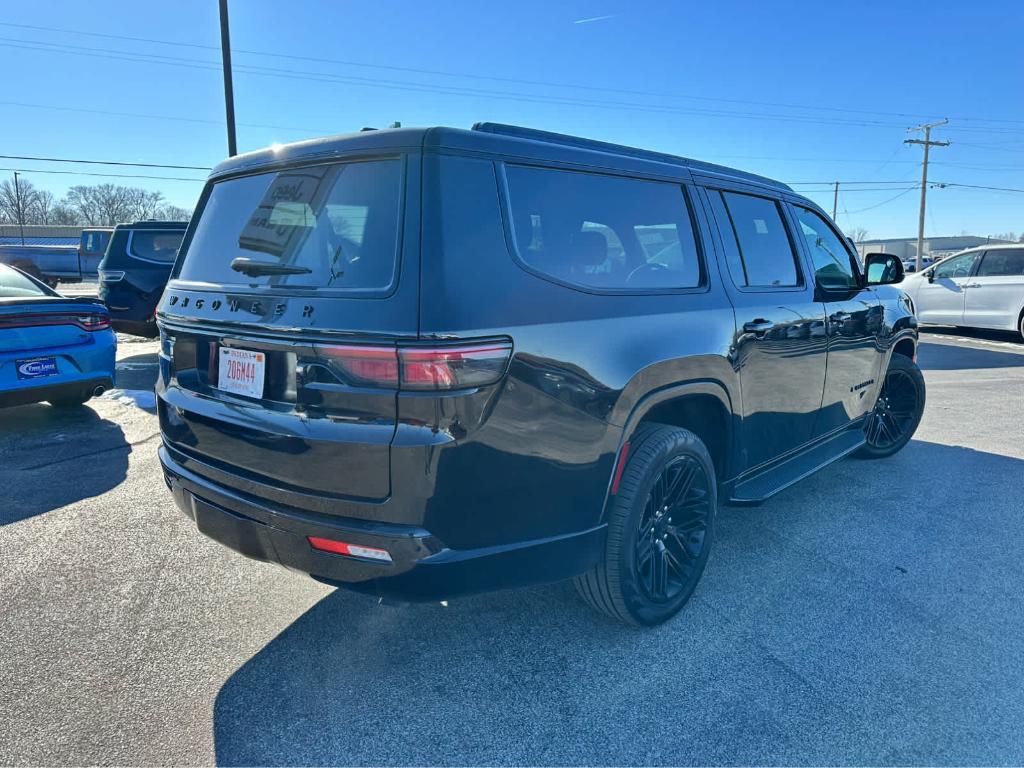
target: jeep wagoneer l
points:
(427, 362)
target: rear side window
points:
(758, 248)
(1005, 262)
(602, 231)
(323, 226)
(155, 245)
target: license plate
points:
(37, 367)
(241, 371)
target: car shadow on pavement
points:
(947, 357)
(138, 372)
(56, 456)
(879, 623)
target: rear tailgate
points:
(252, 393)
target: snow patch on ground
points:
(142, 398)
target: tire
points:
(645, 578)
(897, 412)
(70, 400)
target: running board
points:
(768, 482)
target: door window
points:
(833, 263)
(1004, 262)
(960, 266)
(758, 249)
(602, 231)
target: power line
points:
(941, 184)
(105, 162)
(108, 175)
(884, 202)
(492, 78)
(175, 118)
(428, 88)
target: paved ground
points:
(872, 614)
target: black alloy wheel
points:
(898, 410)
(660, 528)
(670, 536)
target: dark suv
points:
(422, 363)
(134, 271)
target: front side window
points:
(833, 267)
(758, 248)
(959, 266)
(602, 231)
(155, 245)
(1003, 262)
(322, 226)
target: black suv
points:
(134, 271)
(422, 363)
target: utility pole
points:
(835, 201)
(229, 91)
(927, 143)
(21, 213)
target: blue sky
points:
(804, 92)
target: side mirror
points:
(930, 274)
(883, 269)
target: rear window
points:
(95, 242)
(155, 245)
(324, 226)
(603, 231)
(1004, 262)
(13, 284)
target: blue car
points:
(51, 348)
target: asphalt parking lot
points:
(872, 614)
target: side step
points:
(768, 482)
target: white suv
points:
(978, 288)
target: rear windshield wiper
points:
(255, 268)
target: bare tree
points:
(171, 212)
(857, 234)
(109, 204)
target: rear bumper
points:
(41, 392)
(423, 568)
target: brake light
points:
(87, 322)
(351, 550)
(420, 368)
(370, 366)
(453, 367)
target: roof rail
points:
(534, 134)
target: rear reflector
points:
(420, 368)
(623, 455)
(351, 550)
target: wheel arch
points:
(704, 407)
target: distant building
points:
(934, 247)
(40, 234)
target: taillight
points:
(369, 366)
(87, 322)
(93, 322)
(460, 366)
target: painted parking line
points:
(1009, 345)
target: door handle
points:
(973, 285)
(759, 326)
